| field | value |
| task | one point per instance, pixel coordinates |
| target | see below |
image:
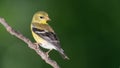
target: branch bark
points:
(30, 44)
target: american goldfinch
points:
(44, 35)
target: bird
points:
(44, 35)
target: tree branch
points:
(30, 44)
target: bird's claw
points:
(47, 53)
(37, 45)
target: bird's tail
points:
(64, 56)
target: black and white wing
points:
(47, 35)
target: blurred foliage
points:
(89, 31)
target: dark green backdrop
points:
(89, 31)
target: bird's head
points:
(40, 17)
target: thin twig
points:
(30, 44)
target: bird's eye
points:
(41, 17)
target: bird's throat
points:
(43, 22)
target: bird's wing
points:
(47, 35)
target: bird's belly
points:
(47, 45)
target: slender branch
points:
(30, 44)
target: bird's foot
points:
(47, 53)
(37, 45)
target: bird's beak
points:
(48, 19)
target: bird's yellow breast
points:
(37, 38)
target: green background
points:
(89, 31)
